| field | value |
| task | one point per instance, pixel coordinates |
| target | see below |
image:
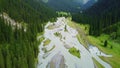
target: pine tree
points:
(8, 61)
(1, 60)
(105, 43)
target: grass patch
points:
(58, 34)
(80, 39)
(97, 63)
(41, 39)
(51, 49)
(82, 31)
(115, 51)
(46, 42)
(51, 27)
(45, 50)
(74, 52)
(39, 34)
(84, 27)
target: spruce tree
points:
(1, 59)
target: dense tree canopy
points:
(27, 10)
(102, 17)
(19, 48)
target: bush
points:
(105, 43)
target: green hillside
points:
(19, 48)
(100, 17)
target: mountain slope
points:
(100, 16)
(88, 4)
(104, 6)
(19, 47)
(69, 5)
(25, 10)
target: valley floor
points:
(62, 49)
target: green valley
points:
(59, 34)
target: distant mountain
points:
(69, 5)
(88, 4)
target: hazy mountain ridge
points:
(70, 5)
(89, 4)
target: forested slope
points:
(19, 48)
(102, 17)
(27, 10)
(72, 6)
